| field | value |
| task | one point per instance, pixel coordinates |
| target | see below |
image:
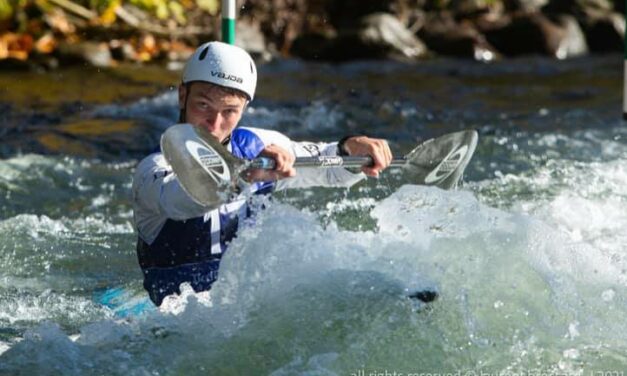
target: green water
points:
(528, 257)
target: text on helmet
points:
(225, 76)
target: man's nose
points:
(213, 117)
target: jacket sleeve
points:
(310, 177)
(158, 195)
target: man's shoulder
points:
(246, 143)
(248, 136)
(151, 161)
(249, 132)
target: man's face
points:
(211, 108)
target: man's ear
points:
(182, 96)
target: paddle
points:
(209, 173)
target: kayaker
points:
(180, 241)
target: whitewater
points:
(528, 257)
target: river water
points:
(529, 256)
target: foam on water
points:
(55, 248)
(65, 186)
(584, 198)
(20, 308)
(295, 296)
(49, 267)
(160, 111)
(529, 261)
(318, 116)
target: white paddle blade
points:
(202, 171)
(442, 161)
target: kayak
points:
(124, 302)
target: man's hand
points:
(284, 165)
(376, 148)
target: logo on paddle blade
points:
(210, 161)
(448, 165)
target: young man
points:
(180, 241)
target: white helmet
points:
(224, 65)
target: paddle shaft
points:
(323, 161)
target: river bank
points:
(65, 33)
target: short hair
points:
(227, 90)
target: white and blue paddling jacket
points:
(181, 241)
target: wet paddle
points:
(209, 172)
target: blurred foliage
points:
(211, 6)
(28, 26)
(105, 10)
(6, 9)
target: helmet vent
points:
(203, 54)
(252, 68)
